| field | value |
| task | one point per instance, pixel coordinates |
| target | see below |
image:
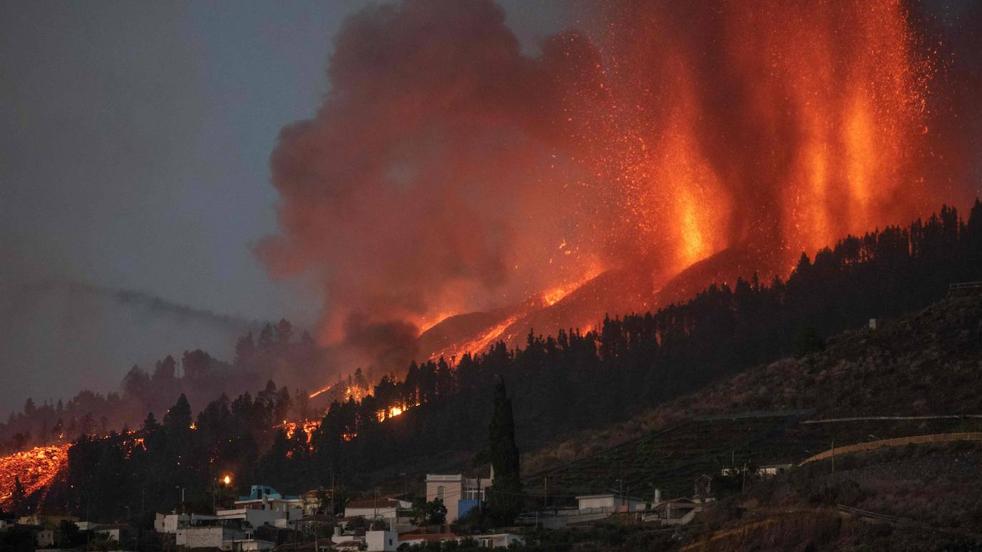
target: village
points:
(267, 520)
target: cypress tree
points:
(505, 499)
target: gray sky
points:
(134, 144)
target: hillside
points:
(926, 363)
(919, 366)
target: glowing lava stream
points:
(479, 344)
(36, 469)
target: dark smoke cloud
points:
(431, 175)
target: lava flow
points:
(662, 138)
(35, 468)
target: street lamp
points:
(223, 481)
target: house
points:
(165, 523)
(251, 518)
(250, 545)
(494, 540)
(609, 503)
(459, 494)
(208, 536)
(45, 538)
(499, 540)
(420, 539)
(381, 541)
(773, 469)
(769, 470)
(262, 497)
(376, 508)
(679, 511)
(111, 532)
(311, 501)
(263, 506)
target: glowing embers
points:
(307, 426)
(321, 391)
(393, 411)
(36, 468)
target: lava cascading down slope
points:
(35, 468)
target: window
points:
(439, 492)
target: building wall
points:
(449, 488)
(169, 523)
(205, 537)
(369, 513)
(381, 541)
(593, 503)
(45, 538)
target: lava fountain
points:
(655, 137)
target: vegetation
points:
(505, 500)
(560, 384)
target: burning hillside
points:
(658, 148)
(35, 469)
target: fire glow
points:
(663, 135)
(307, 426)
(36, 469)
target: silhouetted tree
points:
(505, 498)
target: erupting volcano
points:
(453, 182)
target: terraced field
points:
(671, 459)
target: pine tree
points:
(505, 498)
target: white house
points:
(208, 536)
(250, 545)
(492, 540)
(376, 508)
(254, 517)
(679, 511)
(381, 541)
(609, 503)
(166, 523)
(459, 494)
(499, 540)
(110, 532)
(262, 497)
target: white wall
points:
(381, 541)
(596, 502)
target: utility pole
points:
(545, 503)
(332, 493)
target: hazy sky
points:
(134, 145)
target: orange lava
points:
(36, 469)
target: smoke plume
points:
(447, 171)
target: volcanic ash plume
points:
(449, 172)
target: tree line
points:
(559, 384)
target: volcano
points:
(615, 292)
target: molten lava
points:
(36, 468)
(708, 140)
